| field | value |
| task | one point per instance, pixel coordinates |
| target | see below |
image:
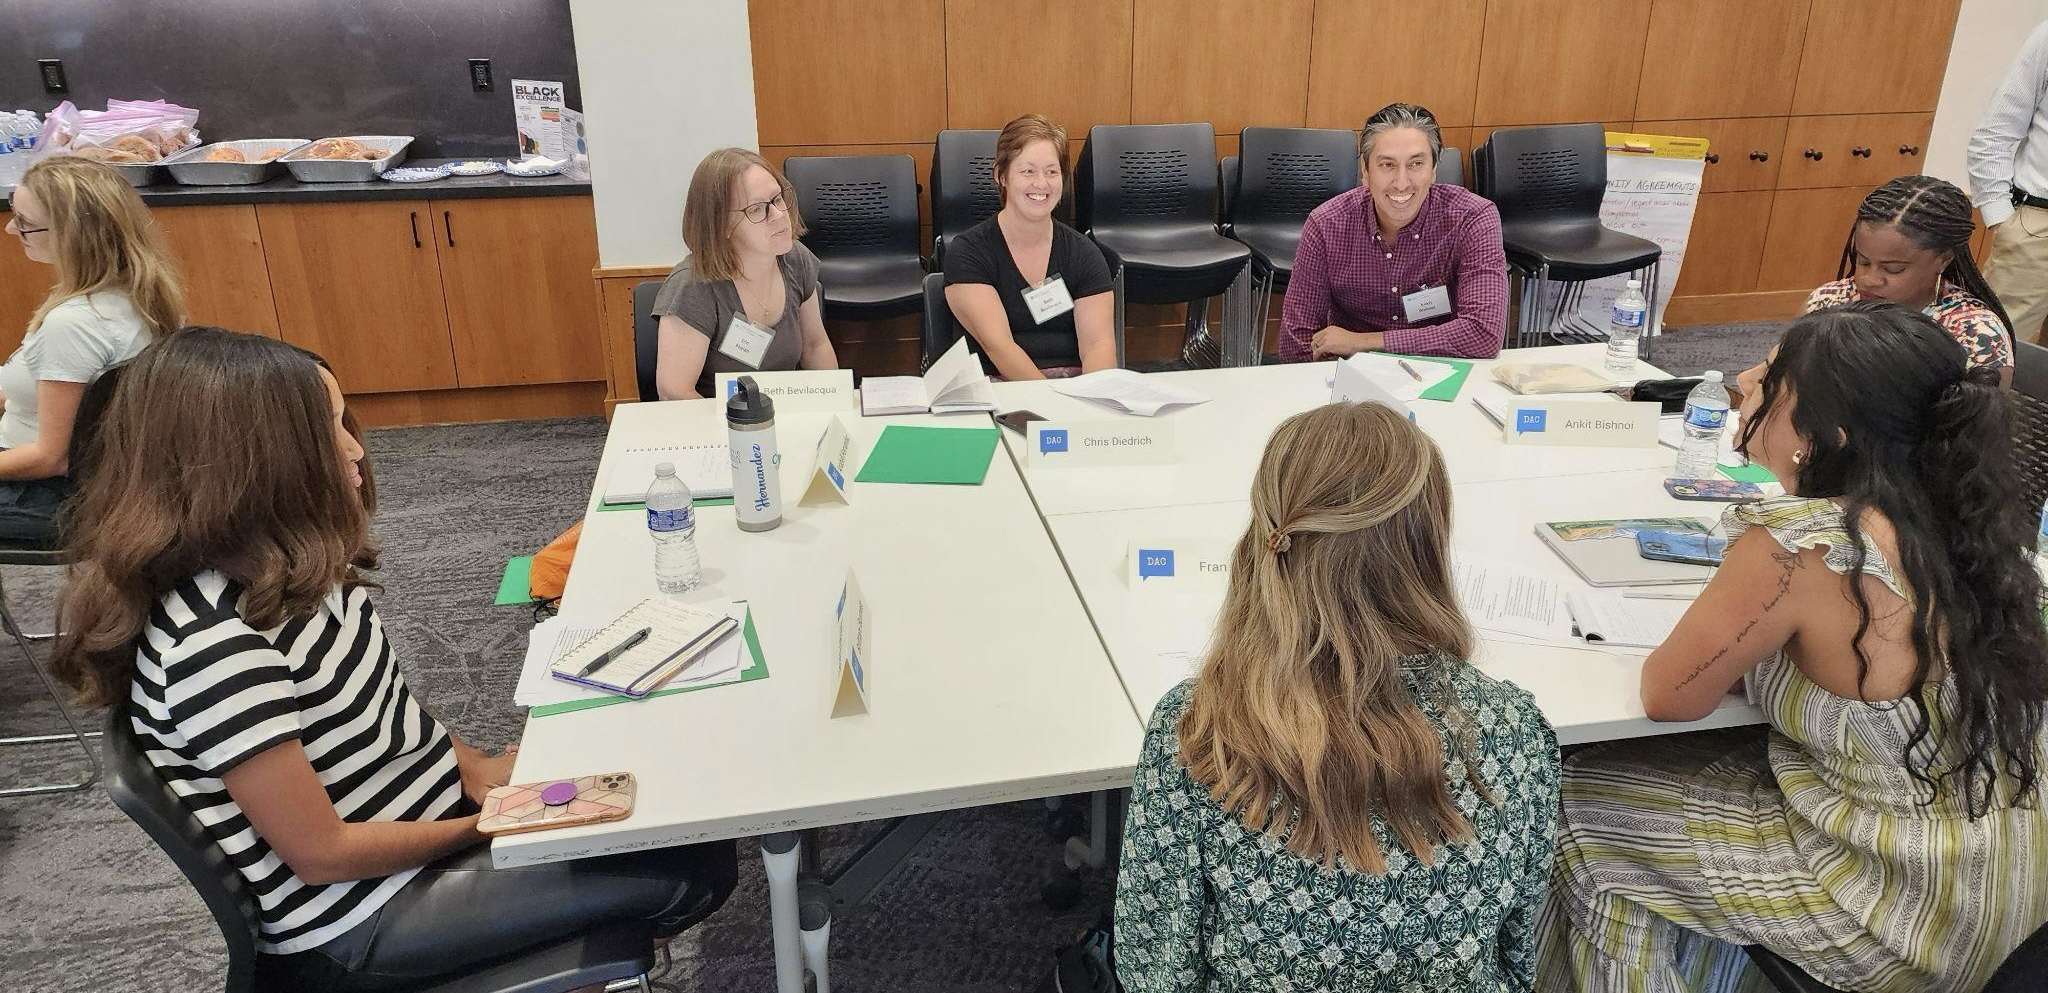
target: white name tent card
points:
(1180, 564)
(1535, 421)
(832, 466)
(1127, 391)
(850, 683)
(1078, 444)
(826, 391)
(1356, 382)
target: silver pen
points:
(1410, 370)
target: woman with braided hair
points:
(1911, 246)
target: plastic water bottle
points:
(1706, 415)
(1625, 330)
(672, 523)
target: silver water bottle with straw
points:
(750, 430)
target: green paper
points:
(603, 507)
(1751, 473)
(517, 585)
(1448, 389)
(757, 670)
(907, 454)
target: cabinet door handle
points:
(1860, 151)
(448, 225)
(1759, 156)
(414, 217)
(1813, 153)
(1909, 149)
(1713, 158)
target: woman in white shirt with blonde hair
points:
(116, 289)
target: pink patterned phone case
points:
(561, 803)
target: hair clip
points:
(1279, 542)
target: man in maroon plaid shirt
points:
(1398, 265)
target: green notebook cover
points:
(910, 454)
(1448, 389)
(757, 670)
(709, 502)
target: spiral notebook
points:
(678, 635)
(707, 468)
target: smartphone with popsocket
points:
(1678, 546)
(1725, 490)
(557, 804)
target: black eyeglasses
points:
(25, 232)
(758, 212)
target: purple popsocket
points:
(557, 794)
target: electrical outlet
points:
(53, 76)
(480, 74)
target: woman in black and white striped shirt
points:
(224, 603)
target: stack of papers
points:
(1505, 599)
(1405, 379)
(1127, 391)
(953, 384)
(557, 636)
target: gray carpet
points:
(87, 903)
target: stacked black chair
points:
(646, 337)
(1450, 167)
(940, 329)
(1548, 183)
(861, 216)
(614, 952)
(1147, 195)
(963, 186)
(1282, 175)
(2030, 419)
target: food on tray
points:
(341, 148)
(100, 154)
(138, 145)
(226, 153)
(267, 156)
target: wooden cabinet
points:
(1353, 71)
(1558, 61)
(23, 286)
(1721, 58)
(1803, 245)
(1853, 150)
(1746, 152)
(1072, 43)
(360, 283)
(1231, 63)
(516, 277)
(220, 259)
(1874, 56)
(849, 72)
(1726, 245)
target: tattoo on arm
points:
(1788, 563)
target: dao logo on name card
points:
(1052, 441)
(1155, 562)
(1530, 420)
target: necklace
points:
(757, 314)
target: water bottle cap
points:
(1635, 284)
(748, 404)
(664, 468)
(1711, 375)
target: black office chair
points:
(622, 951)
(1548, 183)
(1450, 167)
(2030, 419)
(646, 338)
(2022, 971)
(92, 405)
(1147, 194)
(861, 216)
(963, 186)
(940, 329)
(1282, 175)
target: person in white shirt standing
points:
(2009, 184)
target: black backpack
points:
(1086, 966)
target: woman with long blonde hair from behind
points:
(1339, 800)
(116, 289)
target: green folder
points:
(517, 584)
(1448, 389)
(603, 507)
(1751, 473)
(757, 669)
(907, 454)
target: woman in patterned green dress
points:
(1886, 834)
(1338, 801)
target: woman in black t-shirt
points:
(1033, 293)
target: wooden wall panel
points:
(1560, 61)
(1076, 70)
(842, 72)
(1874, 56)
(1353, 71)
(1726, 245)
(220, 258)
(23, 286)
(1896, 143)
(1228, 62)
(1721, 58)
(1803, 246)
(1736, 141)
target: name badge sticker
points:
(746, 342)
(1048, 299)
(1426, 304)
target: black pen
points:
(613, 655)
